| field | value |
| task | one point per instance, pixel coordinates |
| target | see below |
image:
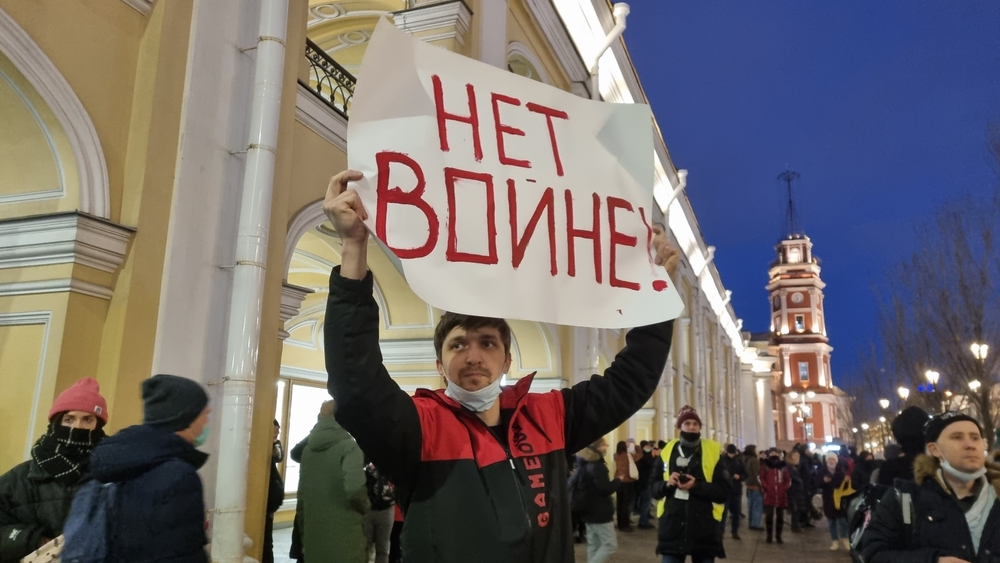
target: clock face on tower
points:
(797, 297)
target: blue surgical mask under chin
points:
(961, 475)
(476, 401)
(203, 437)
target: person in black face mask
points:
(35, 496)
(691, 484)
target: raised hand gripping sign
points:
(500, 196)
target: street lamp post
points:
(904, 393)
(801, 410)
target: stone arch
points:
(58, 95)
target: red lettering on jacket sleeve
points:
(549, 113)
(618, 239)
(443, 116)
(396, 195)
(452, 254)
(594, 234)
(537, 480)
(546, 203)
(532, 463)
(540, 500)
(543, 519)
(502, 129)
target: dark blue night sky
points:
(882, 107)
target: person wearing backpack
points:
(145, 503)
(35, 496)
(379, 520)
(592, 498)
(950, 512)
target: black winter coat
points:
(688, 527)
(508, 483)
(837, 477)
(734, 466)
(645, 467)
(33, 506)
(938, 526)
(161, 510)
(593, 489)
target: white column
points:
(492, 18)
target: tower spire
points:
(789, 176)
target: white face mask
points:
(476, 401)
(959, 474)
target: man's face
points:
(961, 444)
(731, 455)
(794, 458)
(274, 434)
(197, 427)
(603, 447)
(79, 419)
(473, 359)
(691, 426)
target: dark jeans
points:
(796, 510)
(268, 556)
(734, 507)
(645, 502)
(625, 493)
(770, 521)
(395, 551)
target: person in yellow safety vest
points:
(691, 487)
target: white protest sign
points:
(503, 197)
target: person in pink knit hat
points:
(35, 496)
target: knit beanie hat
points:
(84, 396)
(172, 403)
(908, 428)
(687, 413)
(732, 449)
(936, 425)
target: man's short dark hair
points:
(661, 444)
(450, 321)
(643, 443)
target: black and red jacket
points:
(467, 496)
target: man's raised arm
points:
(598, 406)
(370, 405)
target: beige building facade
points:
(124, 129)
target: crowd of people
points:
(937, 478)
(485, 473)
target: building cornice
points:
(451, 20)
(319, 118)
(63, 238)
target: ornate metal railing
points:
(328, 80)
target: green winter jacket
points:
(332, 492)
(33, 506)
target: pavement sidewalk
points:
(812, 545)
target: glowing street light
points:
(881, 419)
(903, 393)
(975, 385)
(854, 430)
(864, 426)
(932, 376)
(980, 351)
(792, 409)
(810, 394)
(884, 403)
(793, 395)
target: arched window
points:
(521, 61)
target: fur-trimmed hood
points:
(589, 455)
(926, 466)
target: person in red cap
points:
(35, 496)
(692, 484)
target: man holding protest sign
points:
(480, 470)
